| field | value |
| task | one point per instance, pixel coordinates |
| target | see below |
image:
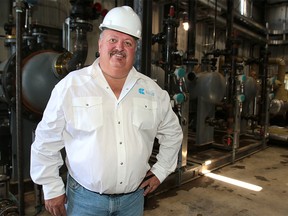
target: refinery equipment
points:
(37, 61)
(225, 97)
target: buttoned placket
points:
(121, 151)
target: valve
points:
(242, 78)
(180, 72)
(241, 98)
(179, 98)
(271, 96)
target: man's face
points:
(117, 51)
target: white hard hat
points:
(123, 19)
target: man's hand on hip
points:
(56, 206)
(150, 183)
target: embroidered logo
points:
(141, 91)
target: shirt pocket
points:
(144, 113)
(87, 113)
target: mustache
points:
(117, 52)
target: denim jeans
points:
(82, 202)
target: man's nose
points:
(120, 45)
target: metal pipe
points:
(233, 111)
(190, 62)
(281, 93)
(138, 7)
(265, 102)
(241, 29)
(67, 62)
(169, 47)
(80, 50)
(229, 75)
(147, 39)
(19, 6)
(214, 25)
(253, 24)
(229, 26)
(191, 44)
(143, 55)
(129, 3)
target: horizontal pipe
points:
(240, 17)
(241, 29)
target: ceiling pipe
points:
(245, 32)
(244, 19)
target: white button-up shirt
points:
(108, 141)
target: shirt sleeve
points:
(46, 157)
(170, 137)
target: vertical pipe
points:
(170, 28)
(214, 27)
(138, 8)
(191, 44)
(229, 21)
(265, 102)
(230, 59)
(20, 156)
(147, 38)
(228, 46)
(143, 55)
(129, 3)
(169, 48)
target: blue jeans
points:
(82, 202)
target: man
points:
(107, 117)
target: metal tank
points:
(38, 79)
(209, 86)
(41, 62)
(250, 89)
(205, 90)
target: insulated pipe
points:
(281, 93)
(19, 6)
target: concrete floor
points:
(207, 197)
